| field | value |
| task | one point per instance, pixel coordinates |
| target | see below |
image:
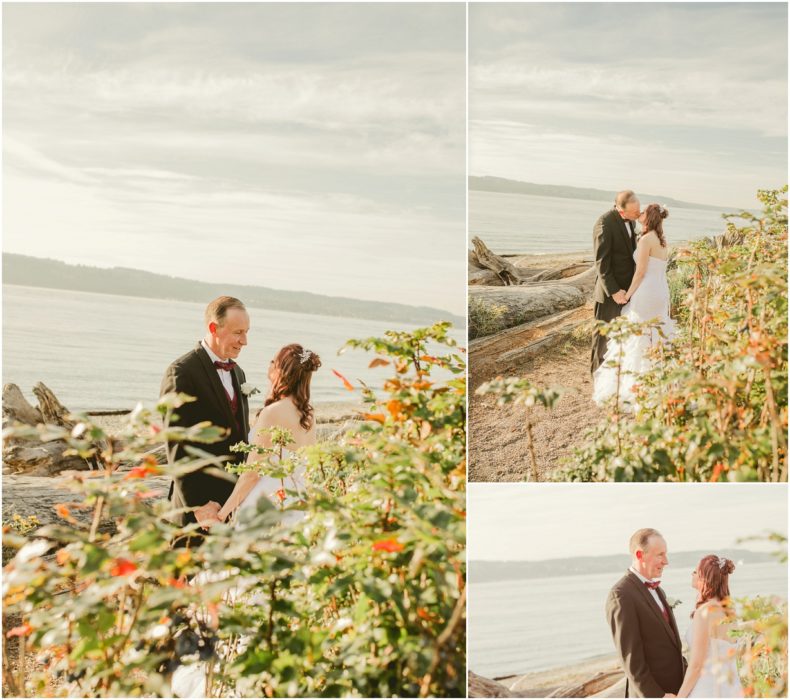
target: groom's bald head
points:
(640, 539)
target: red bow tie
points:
(652, 585)
(227, 366)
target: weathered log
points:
(16, 408)
(31, 456)
(42, 459)
(598, 683)
(514, 305)
(484, 278)
(505, 270)
(53, 412)
(480, 687)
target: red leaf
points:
(280, 494)
(122, 567)
(141, 471)
(21, 631)
(345, 381)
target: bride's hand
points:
(208, 514)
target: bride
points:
(287, 406)
(712, 671)
(647, 299)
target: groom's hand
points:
(619, 297)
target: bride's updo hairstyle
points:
(654, 216)
(713, 574)
(293, 369)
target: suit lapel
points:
(627, 232)
(216, 385)
(645, 594)
(236, 376)
(673, 622)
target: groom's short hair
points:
(640, 539)
(218, 309)
(622, 198)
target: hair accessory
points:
(304, 356)
(662, 209)
(722, 562)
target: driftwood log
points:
(480, 687)
(31, 456)
(592, 687)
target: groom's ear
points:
(638, 554)
(212, 327)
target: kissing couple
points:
(631, 281)
(646, 635)
(210, 373)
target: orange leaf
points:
(394, 407)
(378, 362)
(63, 511)
(389, 545)
(428, 358)
(62, 556)
(281, 495)
(345, 381)
(378, 417)
(141, 471)
(21, 631)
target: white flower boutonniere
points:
(249, 390)
(674, 602)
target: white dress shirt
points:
(652, 591)
(224, 375)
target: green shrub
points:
(365, 596)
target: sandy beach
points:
(498, 448)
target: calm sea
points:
(535, 624)
(521, 223)
(99, 351)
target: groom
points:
(209, 373)
(614, 243)
(643, 625)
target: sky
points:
(534, 522)
(686, 100)
(309, 147)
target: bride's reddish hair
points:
(654, 217)
(293, 370)
(713, 574)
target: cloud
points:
(704, 83)
(327, 142)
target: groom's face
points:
(631, 210)
(654, 557)
(231, 336)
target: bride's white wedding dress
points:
(189, 681)
(649, 301)
(719, 677)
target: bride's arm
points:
(697, 653)
(247, 480)
(642, 257)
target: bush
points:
(714, 407)
(364, 597)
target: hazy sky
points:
(688, 100)
(553, 521)
(305, 146)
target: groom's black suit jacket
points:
(614, 248)
(195, 374)
(649, 646)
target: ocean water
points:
(519, 223)
(515, 627)
(99, 351)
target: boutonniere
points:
(673, 602)
(249, 390)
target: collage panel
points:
(628, 590)
(628, 242)
(234, 401)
